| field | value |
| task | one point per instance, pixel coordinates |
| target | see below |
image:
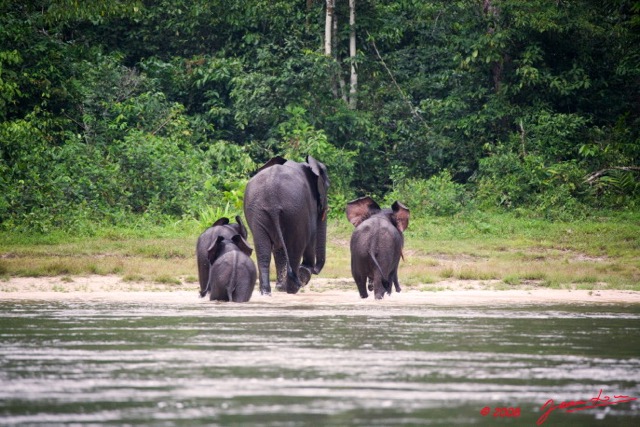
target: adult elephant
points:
(220, 228)
(285, 205)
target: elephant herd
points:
(285, 205)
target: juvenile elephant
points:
(376, 244)
(285, 204)
(232, 274)
(219, 228)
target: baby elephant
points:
(376, 244)
(208, 238)
(232, 274)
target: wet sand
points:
(319, 292)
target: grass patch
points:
(432, 288)
(60, 288)
(132, 278)
(512, 280)
(479, 246)
(475, 274)
(587, 279)
(167, 280)
(447, 273)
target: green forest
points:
(112, 111)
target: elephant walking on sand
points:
(208, 238)
(376, 244)
(232, 274)
(285, 205)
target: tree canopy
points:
(115, 109)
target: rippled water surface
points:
(362, 365)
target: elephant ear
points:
(221, 221)
(359, 210)
(240, 227)
(215, 249)
(401, 216)
(322, 183)
(242, 244)
(278, 160)
(315, 165)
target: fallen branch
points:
(589, 179)
(164, 123)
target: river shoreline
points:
(318, 292)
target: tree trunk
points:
(353, 87)
(328, 28)
(493, 12)
(340, 77)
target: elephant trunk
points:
(321, 244)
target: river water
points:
(221, 364)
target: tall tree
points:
(328, 27)
(331, 41)
(353, 84)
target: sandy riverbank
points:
(319, 291)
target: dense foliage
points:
(112, 111)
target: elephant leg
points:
(304, 274)
(361, 282)
(370, 284)
(281, 268)
(395, 281)
(264, 261)
(262, 244)
(286, 280)
(308, 263)
(379, 285)
(379, 290)
(218, 293)
(243, 294)
(293, 281)
(388, 284)
(245, 283)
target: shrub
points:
(528, 186)
(438, 195)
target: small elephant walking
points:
(285, 204)
(208, 238)
(232, 274)
(376, 244)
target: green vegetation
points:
(511, 130)
(132, 112)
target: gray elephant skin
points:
(285, 205)
(232, 273)
(221, 227)
(376, 244)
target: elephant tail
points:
(383, 278)
(206, 290)
(232, 285)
